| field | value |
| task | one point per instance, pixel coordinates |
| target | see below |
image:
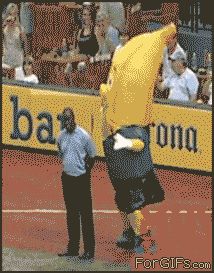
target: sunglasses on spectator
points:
(10, 20)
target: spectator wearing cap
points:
(183, 84)
(172, 48)
(107, 35)
(14, 43)
(116, 13)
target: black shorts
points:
(136, 193)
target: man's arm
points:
(91, 153)
(60, 153)
(89, 163)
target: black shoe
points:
(126, 239)
(87, 256)
(68, 254)
(137, 244)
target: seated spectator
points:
(25, 73)
(86, 41)
(172, 48)
(107, 35)
(183, 84)
(115, 11)
(206, 96)
(14, 43)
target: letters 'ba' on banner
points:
(181, 136)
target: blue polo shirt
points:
(124, 163)
(73, 149)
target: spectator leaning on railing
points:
(183, 84)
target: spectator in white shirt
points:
(172, 48)
(183, 84)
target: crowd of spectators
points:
(102, 32)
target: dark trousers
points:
(78, 202)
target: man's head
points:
(69, 120)
(178, 62)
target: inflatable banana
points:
(128, 95)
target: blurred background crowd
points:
(71, 44)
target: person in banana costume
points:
(127, 101)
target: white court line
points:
(168, 211)
(94, 211)
(51, 211)
(208, 211)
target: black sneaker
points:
(87, 256)
(138, 248)
(125, 240)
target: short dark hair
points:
(70, 110)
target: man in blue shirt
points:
(77, 151)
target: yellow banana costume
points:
(127, 101)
